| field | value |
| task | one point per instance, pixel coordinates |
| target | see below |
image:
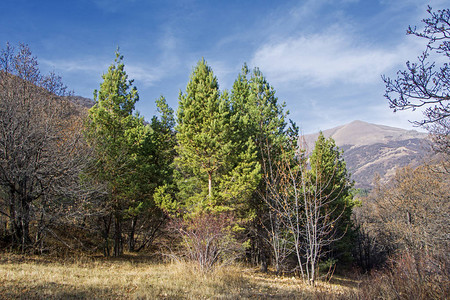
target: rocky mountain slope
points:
(371, 149)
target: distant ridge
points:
(82, 101)
(359, 133)
(371, 149)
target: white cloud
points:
(146, 75)
(225, 72)
(88, 65)
(329, 57)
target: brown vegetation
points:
(406, 222)
(38, 277)
(408, 277)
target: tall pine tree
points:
(331, 179)
(215, 168)
(258, 116)
(120, 142)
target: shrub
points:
(206, 239)
(409, 277)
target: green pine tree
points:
(214, 168)
(329, 173)
(259, 117)
(121, 145)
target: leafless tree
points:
(274, 231)
(40, 143)
(305, 206)
(406, 224)
(278, 237)
(412, 211)
(424, 85)
(321, 218)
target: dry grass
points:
(134, 278)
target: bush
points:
(206, 239)
(409, 277)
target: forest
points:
(225, 182)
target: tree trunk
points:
(131, 240)
(118, 247)
(209, 187)
(260, 237)
(24, 224)
(13, 227)
(105, 233)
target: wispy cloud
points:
(147, 72)
(225, 72)
(146, 75)
(85, 65)
(329, 57)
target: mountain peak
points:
(371, 149)
(359, 133)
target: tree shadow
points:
(52, 290)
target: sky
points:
(324, 58)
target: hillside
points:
(371, 149)
(82, 101)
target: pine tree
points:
(121, 145)
(329, 174)
(214, 170)
(258, 116)
(155, 174)
(163, 141)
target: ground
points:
(131, 277)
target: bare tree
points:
(424, 85)
(306, 198)
(406, 225)
(40, 143)
(412, 211)
(284, 201)
(321, 214)
(278, 237)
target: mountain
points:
(371, 149)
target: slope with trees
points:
(225, 179)
(403, 224)
(41, 150)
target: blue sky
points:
(324, 58)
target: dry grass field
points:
(138, 278)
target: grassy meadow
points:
(133, 277)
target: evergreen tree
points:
(156, 174)
(257, 113)
(163, 140)
(214, 169)
(329, 174)
(121, 144)
(258, 116)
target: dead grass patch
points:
(135, 278)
